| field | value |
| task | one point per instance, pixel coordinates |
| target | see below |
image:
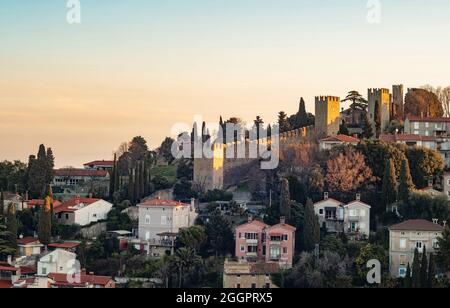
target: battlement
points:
(327, 99)
(378, 91)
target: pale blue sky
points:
(139, 66)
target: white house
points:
(357, 217)
(82, 211)
(59, 261)
(158, 216)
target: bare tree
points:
(123, 148)
(443, 94)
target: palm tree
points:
(185, 258)
(358, 102)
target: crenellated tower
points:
(327, 115)
(383, 97)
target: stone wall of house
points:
(92, 231)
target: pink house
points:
(256, 241)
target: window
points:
(427, 125)
(238, 286)
(435, 244)
(402, 259)
(402, 243)
(267, 286)
(352, 213)
(147, 219)
(44, 271)
(275, 253)
(251, 236)
(402, 272)
(94, 215)
(252, 249)
(275, 238)
(285, 250)
(321, 210)
(285, 237)
(419, 246)
(67, 216)
(416, 125)
(163, 220)
(242, 248)
(264, 250)
(253, 285)
(147, 236)
(416, 132)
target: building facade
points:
(383, 98)
(405, 237)
(327, 115)
(241, 274)
(338, 140)
(82, 211)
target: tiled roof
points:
(329, 199)
(405, 138)
(81, 173)
(68, 206)
(357, 201)
(5, 284)
(159, 202)
(417, 225)
(341, 138)
(61, 280)
(27, 240)
(427, 119)
(65, 245)
(264, 268)
(256, 223)
(40, 202)
(105, 163)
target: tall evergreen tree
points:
(406, 184)
(142, 181)
(131, 187)
(311, 227)
(431, 272)
(407, 281)
(2, 205)
(137, 183)
(112, 179)
(45, 219)
(302, 114)
(6, 249)
(12, 225)
(367, 127)
(343, 129)
(424, 269)
(285, 200)
(283, 122)
(415, 276)
(377, 119)
(389, 189)
(50, 165)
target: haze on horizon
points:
(137, 67)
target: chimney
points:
(26, 196)
(444, 223)
(90, 195)
(435, 221)
(325, 196)
(77, 200)
(192, 204)
(250, 219)
(282, 220)
(9, 260)
(358, 197)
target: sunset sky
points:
(137, 67)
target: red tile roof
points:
(264, 268)
(5, 284)
(61, 280)
(27, 240)
(329, 199)
(40, 202)
(285, 226)
(104, 163)
(68, 206)
(417, 225)
(159, 202)
(80, 173)
(256, 223)
(65, 245)
(341, 138)
(427, 119)
(405, 138)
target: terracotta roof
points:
(40, 202)
(427, 119)
(27, 270)
(357, 201)
(27, 240)
(256, 223)
(68, 206)
(8, 268)
(341, 138)
(329, 199)
(159, 202)
(105, 163)
(405, 138)
(264, 268)
(4, 284)
(65, 245)
(417, 225)
(61, 280)
(286, 226)
(81, 173)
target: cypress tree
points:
(415, 276)
(131, 190)
(407, 280)
(311, 227)
(45, 219)
(285, 200)
(112, 179)
(424, 269)
(367, 128)
(50, 165)
(377, 119)
(11, 225)
(406, 184)
(2, 205)
(389, 189)
(142, 181)
(302, 114)
(431, 272)
(137, 184)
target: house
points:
(352, 219)
(99, 165)
(437, 127)
(11, 275)
(14, 199)
(82, 211)
(81, 181)
(82, 281)
(258, 242)
(29, 246)
(405, 237)
(338, 140)
(411, 140)
(37, 203)
(239, 274)
(58, 261)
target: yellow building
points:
(328, 115)
(383, 97)
(247, 275)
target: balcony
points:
(252, 241)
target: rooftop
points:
(405, 138)
(27, 240)
(417, 225)
(65, 245)
(61, 280)
(341, 138)
(74, 204)
(160, 202)
(80, 173)
(426, 119)
(105, 163)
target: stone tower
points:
(327, 115)
(384, 98)
(209, 172)
(398, 96)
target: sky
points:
(138, 67)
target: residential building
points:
(82, 281)
(68, 246)
(352, 219)
(14, 199)
(37, 203)
(159, 223)
(446, 184)
(29, 246)
(411, 140)
(241, 274)
(81, 181)
(99, 165)
(82, 211)
(405, 237)
(258, 242)
(58, 261)
(338, 140)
